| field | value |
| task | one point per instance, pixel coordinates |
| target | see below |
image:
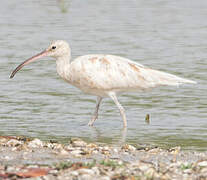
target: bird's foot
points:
(92, 121)
(90, 124)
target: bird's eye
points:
(53, 47)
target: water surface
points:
(163, 34)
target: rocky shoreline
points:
(22, 157)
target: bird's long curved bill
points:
(42, 54)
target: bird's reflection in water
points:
(119, 140)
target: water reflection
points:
(120, 138)
(64, 5)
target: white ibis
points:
(104, 75)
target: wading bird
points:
(104, 75)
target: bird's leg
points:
(121, 109)
(95, 116)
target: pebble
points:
(96, 170)
(187, 171)
(104, 178)
(3, 141)
(131, 163)
(58, 146)
(69, 148)
(115, 150)
(64, 152)
(143, 167)
(95, 152)
(48, 177)
(107, 153)
(85, 177)
(36, 143)
(76, 152)
(202, 163)
(154, 151)
(79, 143)
(74, 173)
(14, 142)
(86, 171)
(11, 169)
(128, 147)
(53, 171)
(91, 145)
(105, 148)
(204, 170)
(8, 157)
(14, 149)
(175, 150)
(150, 173)
(120, 162)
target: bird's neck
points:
(63, 65)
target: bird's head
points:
(56, 49)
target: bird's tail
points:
(163, 78)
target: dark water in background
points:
(163, 34)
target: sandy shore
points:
(22, 157)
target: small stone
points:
(85, 177)
(143, 167)
(53, 141)
(11, 169)
(8, 157)
(104, 178)
(3, 141)
(78, 143)
(154, 151)
(64, 152)
(187, 171)
(132, 148)
(35, 143)
(50, 145)
(48, 177)
(14, 142)
(58, 146)
(53, 171)
(150, 173)
(106, 153)
(74, 173)
(202, 163)
(120, 162)
(76, 152)
(95, 152)
(32, 166)
(14, 149)
(96, 170)
(115, 150)
(86, 171)
(128, 147)
(204, 170)
(25, 153)
(69, 148)
(91, 145)
(165, 177)
(185, 176)
(175, 150)
(105, 148)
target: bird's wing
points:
(109, 72)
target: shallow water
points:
(165, 35)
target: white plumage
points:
(104, 75)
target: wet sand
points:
(22, 157)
